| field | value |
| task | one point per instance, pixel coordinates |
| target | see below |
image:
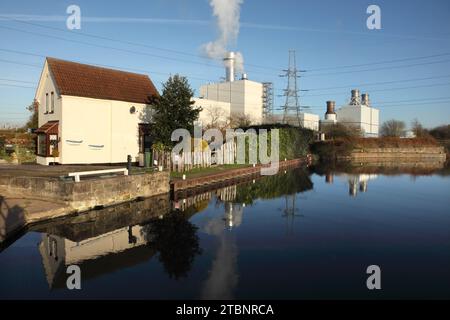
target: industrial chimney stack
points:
(365, 99)
(356, 98)
(229, 66)
(331, 114)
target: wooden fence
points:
(186, 161)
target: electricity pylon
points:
(292, 105)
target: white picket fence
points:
(186, 161)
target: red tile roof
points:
(82, 80)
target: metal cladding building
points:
(231, 98)
(358, 113)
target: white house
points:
(89, 114)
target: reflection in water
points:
(99, 241)
(358, 176)
(355, 181)
(290, 213)
(102, 254)
(192, 247)
(113, 238)
(360, 180)
(223, 275)
(176, 241)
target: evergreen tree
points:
(173, 110)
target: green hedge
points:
(294, 142)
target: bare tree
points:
(341, 130)
(393, 128)
(418, 129)
(239, 121)
(32, 122)
(217, 117)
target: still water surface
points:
(297, 235)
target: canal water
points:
(306, 233)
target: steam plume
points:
(227, 13)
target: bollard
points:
(129, 163)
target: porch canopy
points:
(50, 127)
(47, 139)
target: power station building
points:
(357, 113)
(232, 98)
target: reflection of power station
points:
(233, 214)
(223, 275)
(356, 182)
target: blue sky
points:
(325, 34)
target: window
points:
(42, 144)
(52, 106)
(46, 103)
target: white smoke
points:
(227, 13)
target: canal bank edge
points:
(89, 193)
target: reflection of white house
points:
(58, 252)
(89, 114)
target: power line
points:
(80, 61)
(13, 85)
(379, 90)
(118, 49)
(380, 62)
(210, 65)
(130, 42)
(413, 100)
(14, 80)
(378, 83)
(402, 103)
(108, 66)
(378, 69)
(22, 64)
(197, 56)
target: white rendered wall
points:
(47, 85)
(363, 117)
(309, 121)
(98, 131)
(253, 101)
(244, 96)
(212, 110)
